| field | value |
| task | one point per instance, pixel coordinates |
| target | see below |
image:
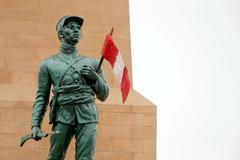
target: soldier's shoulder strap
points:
(66, 69)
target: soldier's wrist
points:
(34, 127)
(96, 78)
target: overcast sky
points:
(186, 58)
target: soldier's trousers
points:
(85, 135)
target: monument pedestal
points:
(126, 132)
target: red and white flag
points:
(111, 53)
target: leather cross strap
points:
(68, 63)
(54, 98)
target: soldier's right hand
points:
(36, 131)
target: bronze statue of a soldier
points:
(76, 84)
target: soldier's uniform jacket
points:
(74, 96)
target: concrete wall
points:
(27, 36)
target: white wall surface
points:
(186, 59)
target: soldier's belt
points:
(74, 94)
(75, 99)
(72, 89)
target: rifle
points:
(26, 137)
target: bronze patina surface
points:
(76, 85)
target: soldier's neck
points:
(68, 49)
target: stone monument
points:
(27, 37)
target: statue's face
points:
(71, 33)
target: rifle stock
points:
(26, 137)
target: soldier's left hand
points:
(89, 73)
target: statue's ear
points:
(60, 34)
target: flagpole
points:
(102, 58)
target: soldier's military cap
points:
(66, 19)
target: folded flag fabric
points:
(111, 53)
